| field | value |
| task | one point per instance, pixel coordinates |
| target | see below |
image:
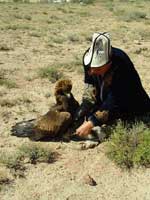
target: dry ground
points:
(35, 36)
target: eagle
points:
(56, 121)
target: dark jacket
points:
(119, 92)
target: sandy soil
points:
(25, 54)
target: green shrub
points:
(36, 153)
(75, 65)
(11, 160)
(28, 153)
(8, 83)
(130, 146)
(52, 73)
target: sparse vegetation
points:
(11, 160)
(5, 47)
(52, 73)
(126, 12)
(130, 146)
(133, 16)
(36, 153)
(5, 177)
(7, 102)
(27, 153)
(84, 1)
(54, 36)
(35, 34)
(8, 83)
(73, 38)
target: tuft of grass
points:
(5, 177)
(84, 1)
(5, 102)
(75, 65)
(52, 73)
(8, 103)
(133, 16)
(8, 83)
(35, 34)
(73, 38)
(5, 47)
(27, 153)
(11, 160)
(27, 17)
(130, 146)
(57, 40)
(36, 153)
(18, 16)
(18, 27)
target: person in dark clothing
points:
(113, 87)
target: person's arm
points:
(107, 110)
(88, 97)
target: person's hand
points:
(85, 128)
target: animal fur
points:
(56, 121)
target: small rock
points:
(87, 179)
(47, 95)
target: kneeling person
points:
(112, 86)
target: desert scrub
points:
(5, 47)
(52, 73)
(83, 1)
(8, 83)
(130, 146)
(36, 153)
(73, 38)
(71, 66)
(133, 16)
(27, 153)
(5, 177)
(11, 160)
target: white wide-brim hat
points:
(100, 51)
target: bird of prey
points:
(56, 121)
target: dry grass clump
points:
(60, 68)
(83, 1)
(14, 101)
(5, 177)
(128, 10)
(129, 146)
(52, 73)
(31, 153)
(16, 161)
(74, 38)
(4, 102)
(13, 162)
(8, 83)
(5, 81)
(5, 47)
(36, 153)
(129, 16)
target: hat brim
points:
(92, 58)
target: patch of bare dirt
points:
(28, 44)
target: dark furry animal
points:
(56, 121)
